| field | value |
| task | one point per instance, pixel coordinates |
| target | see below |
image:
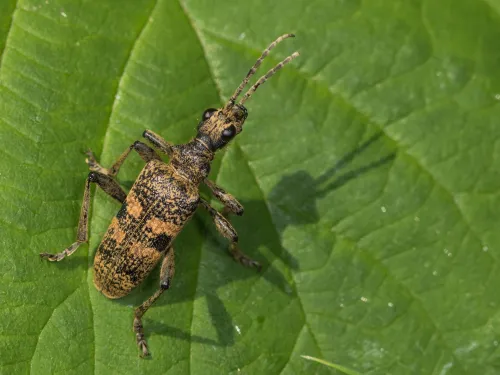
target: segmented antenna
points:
(254, 68)
(268, 75)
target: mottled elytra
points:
(163, 198)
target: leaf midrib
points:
(105, 142)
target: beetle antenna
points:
(268, 75)
(255, 66)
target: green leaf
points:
(368, 169)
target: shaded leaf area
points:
(368, 170)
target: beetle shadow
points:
(220, 319)
(298, 190)
(296, 195)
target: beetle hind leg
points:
(166, 275)
(138, 327)
(107, 184)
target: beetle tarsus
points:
(139, 335)
(94, 166)
(63, 254)
(242, 258)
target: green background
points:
(369, 170)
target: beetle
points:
(162, 200)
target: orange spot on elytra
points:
(145, 254)
(117, 234)
(158, 226)
(134, 207)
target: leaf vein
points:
(2, 53)
(45, 325)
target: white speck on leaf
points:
(416, 218)
(435, 272)
(485, 248)
(390, 304)
(241, 36)
(238, 330)
(373, 350)
(445, 368)
(64, 14)
(467, 349)
(497, 96)
(364, 299)
(383, 209)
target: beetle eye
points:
(208, 113)
(229, 133)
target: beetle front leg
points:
(225, 228)
(109, 186)
(159, 142)
(231, 204)
(166, 275)
(144, 151)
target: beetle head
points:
(219, 126)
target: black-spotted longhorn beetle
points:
(161, 201)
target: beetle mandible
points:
(162, 199)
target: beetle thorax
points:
(192, 160)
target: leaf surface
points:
(368, 169)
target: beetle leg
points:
(107, 184)
(225, 228)
(231, 204)
(166, 274)
(144, 151)
(167, 270)
(159, 142)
